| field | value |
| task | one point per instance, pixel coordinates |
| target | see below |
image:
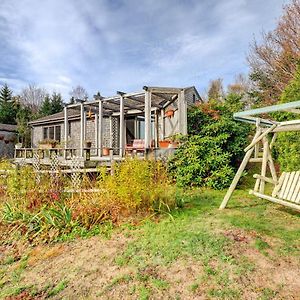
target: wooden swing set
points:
(286, 189)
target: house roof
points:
(58, 117)
(8, 127)
(160, 97)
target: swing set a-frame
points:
(287, 188)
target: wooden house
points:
(106, 128)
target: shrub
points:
(209, 155)
(287, 144)
(44, 212)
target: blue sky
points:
(111, 45)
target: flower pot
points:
(173, 145)
(105, 151)
(169, 113)
(88, 144)
(18, 145)
(164, 144)
(46, 146)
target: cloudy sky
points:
(111, 45)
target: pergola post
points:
(110, 132)
(82, 121)
(156, 131)
(162, 124)
(122, 127)
(182, 113)
(66, 126)
(96, 134)
(100, 129)
(147, 120)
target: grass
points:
(197, 252)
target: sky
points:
(119, 45)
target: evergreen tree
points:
(46, 107)
(56, 103)
(8, 108)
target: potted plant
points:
(18, 145)
(169, 113)
(164, 144)
(87, 144)
(175, 140)
(47, 144)
(105, 151)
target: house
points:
(8, 137)
(125, 121)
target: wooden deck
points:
(90, 159)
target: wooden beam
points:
(264, 164)
(66, 126)
(122, 127)
(147, 120)
(259, 138)
(100, 129)
(238, 173)
(96, 124)
(162, 124)
(263, 178)
(81, 129)
(275, 200)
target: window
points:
(52, 133)
(45, 133)
(194, 98)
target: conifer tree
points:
(8, 109)
(56, 103)
(46, 107)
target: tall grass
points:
(45, 212)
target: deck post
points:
(81, 129)
(66, 126)
(156, 131)
(100, 129)
(96, 134)
(162, 124)
(147, 120)
(122, 127)
(111, 132)
(182, 113)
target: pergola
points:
(150, 103)
(287, 187)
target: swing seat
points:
(286, 190)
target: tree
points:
(215, 90)
(32, 97)
(287, 143)
(8, 108)
(46, 108)
(273, 62)
(79, 92)
(56, 103)
(24, 115)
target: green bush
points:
(287, 147)
(209, 155)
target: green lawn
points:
(249, 251)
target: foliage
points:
(287, 144)
(274, 60)
(8, 109)
(51, 105)
(208, 157)
(44, 212)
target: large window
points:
(52, 133)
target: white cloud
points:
(110, 45)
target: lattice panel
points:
(37, 167)
(115, 135)
(75, 175)
(54, 168)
